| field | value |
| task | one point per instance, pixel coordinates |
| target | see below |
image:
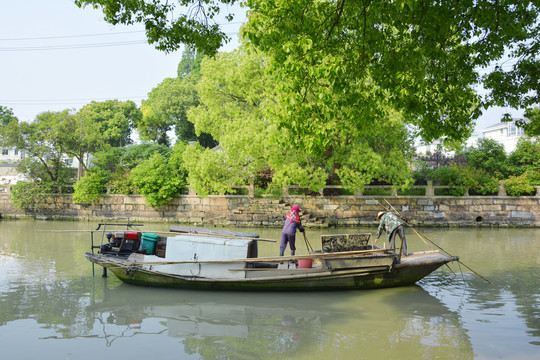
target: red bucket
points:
(305, 263)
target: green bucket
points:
(149, 241)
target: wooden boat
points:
(230, 261)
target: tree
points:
(190, 65)
(165, 107)
(159, 179)
(100, 125)
(168, 103)
(526, 156)
(241, 109)
(233, 91)
(6, 116)
(532, 125)
(44, 143)
(109, 121)
(169, 24)
(489, 156)
(426, 56)
(8, 125)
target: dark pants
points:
(286, 238)
(401, 232)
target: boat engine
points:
(122, 243)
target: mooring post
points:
(104, 272)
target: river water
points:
(53, 307)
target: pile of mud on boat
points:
(226, 260)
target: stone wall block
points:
(318, 211)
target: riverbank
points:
(319, 211)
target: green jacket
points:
(389, 222)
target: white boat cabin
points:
(191, 255)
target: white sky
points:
(56, 56)
(49, 60)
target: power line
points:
(78, 46)
(72, 36)
(64, 101)
(73, 46)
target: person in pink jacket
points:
(288, 234)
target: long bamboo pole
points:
(262, 259)
(308, 245)
(172, 233)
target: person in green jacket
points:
(390, 223)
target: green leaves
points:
(169, 24)
(157, 180)
(91, 187)
(424, 57)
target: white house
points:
(9, 162)
(11, 156)
(505, 133)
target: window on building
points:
(5, 151)
(15, 152)
(513, 130)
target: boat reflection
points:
(336, 324)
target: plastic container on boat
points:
(305, 263)
(149, 241)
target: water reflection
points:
(263, 326)
(52, 307)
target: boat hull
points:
(406, 272)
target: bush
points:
(519, 185)
(526, 156)
(157, 180)
(28, 195)
(490, 157)
(121, 183)
(485, 184)
(457, 178)
(91, 187)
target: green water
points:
(52, 307)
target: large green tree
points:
(168, 103)
(100, 125)
(6, 116)
(45, 145)
(427, 55)
(8, 124)
(166, 107)
(241, 109)
(233, 91)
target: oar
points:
(308, 245)
(423, 236)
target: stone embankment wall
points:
(318, 210)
